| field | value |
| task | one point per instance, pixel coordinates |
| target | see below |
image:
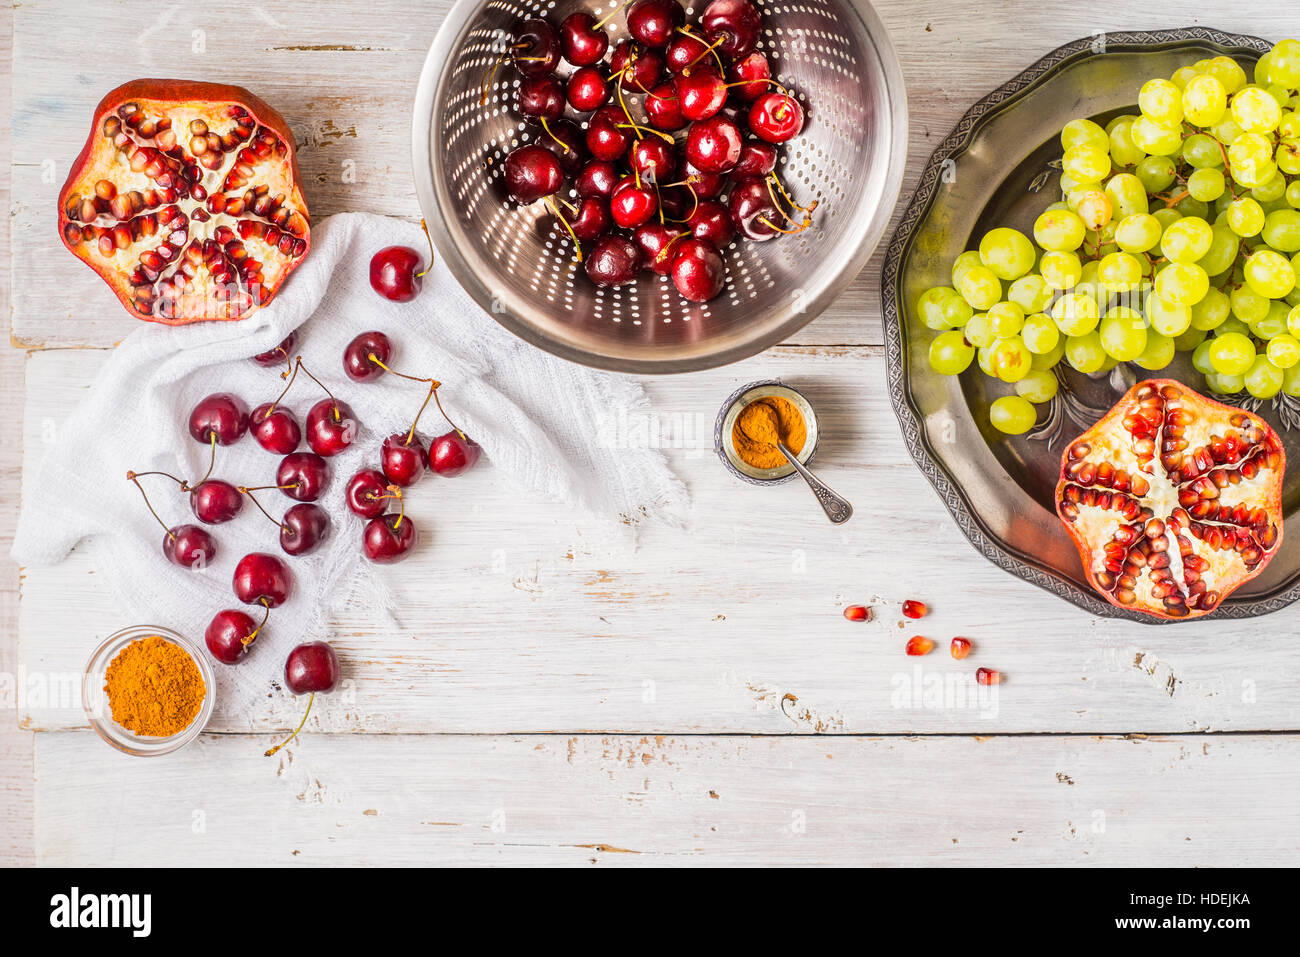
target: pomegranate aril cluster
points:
(666, 196)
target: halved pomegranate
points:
(1173, 500)
(185, 200)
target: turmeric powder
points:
(761, 424)
(154, 687)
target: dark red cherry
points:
(704, 185)
(394, 273)
(699, 94)
(280, 355)
(303, 475)
(735, 22)
(613, 261)
(402, 457)
(453, 453)
(752, 67)
(189, 546)
(331, 427)
(531, 172)
(698, 270)
(565, 141)
(597, 178)
(654, 159)
(357, 353)
(776, 117)
(222, 415)
(588, 89)
(215, 501)
(756, 159)
(633, 205)
(540, 97)
(536, 50)
(311, 667)
(607, 139)
(712, 221)
(389, 538)
(592, 220)
(655, 240)
(652, 22)
(636, 69)
(229, 635)
(275, 428)
(713, 145)
(686, 50)
(262, 579)
(366, 493)
(581, 42)
(303, 529)
(752, 209)
(661, 107)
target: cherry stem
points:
(609, 16)
(133, 477)
(291, 373)
(212, 461)
(577, 247)
(433, 388)
(789, 232)
(253, 498)
(337, 416)
(429, 239)
(253, 636)
(547, 127)
(401, 506)
(772, 177)
(711, 48)
(295, 730)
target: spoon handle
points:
(836, 507)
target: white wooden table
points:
(552, 696)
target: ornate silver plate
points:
(999, 167)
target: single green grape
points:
(1293, 194)
(980, 287)
(1228, 72)
(1212, 311)
(1048, 360)
(962, 263)
(1273, 323)
(1127, 195)
(1225, 384)
(1255, 110)
(1245, 217)
(1293, 321)
(1189, 340)
(1201, 150)
(1232, 354)
(1269, 273)
(1158, 352)
(1083, 132)
(1156, 173)
(1119, 272)
(1222, 254)
(1207, 185)
(1040, 334)
(1006, 319)
(1289, 126)
(1183, 76)
(1166, 318)
(1085, 353)
(1263, 380)
(984, 357)
(1087, 163)
(1038, 387)
(1059, 230)
(1093, 206)
(1013, 414)
(1287, 156)
(1137, 233)
(1183, 284)
(1156, 139)
(1166, 217)
(1061, 270)
(1283, 350)
(1282, 230)
(1161, 102)
(1123, 333)
(1031, 293)
(1291, 381)
(1123, 151)
(942, 307)
(1201, 358)
(1007, 252)
(1248, 305)
(1187, 240)
(1233, 325)
(1191, 206)
(1284, 63)
(978, 331)
(1076, 314)
(950, 353)
(1010, 359)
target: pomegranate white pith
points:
(1173, 500)
(189, 210)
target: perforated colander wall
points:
(819, 51)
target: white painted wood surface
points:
(727, 638)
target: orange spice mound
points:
(154, 687)
(761, 424)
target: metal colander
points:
(518, 263)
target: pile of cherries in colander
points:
(667, 193)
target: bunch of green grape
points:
(1178, 231)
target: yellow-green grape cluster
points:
(1178, 231)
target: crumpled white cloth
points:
(543, 423)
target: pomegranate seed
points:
(960, 648)
(987, 676)
(857, 613)
(914, 609)
(916, 645)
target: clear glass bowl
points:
(95, 700)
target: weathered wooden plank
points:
(593, 800)
(521, 616)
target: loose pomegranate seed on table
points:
(917, 646)
(987, 676)
(960, 648)
(914, 609)
(857, 613)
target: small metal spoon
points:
(837, 508)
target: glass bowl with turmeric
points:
(751, 422)
(148, 690)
